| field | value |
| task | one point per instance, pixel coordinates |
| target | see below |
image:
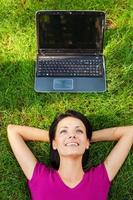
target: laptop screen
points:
(70, 30)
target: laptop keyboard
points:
(83, 66)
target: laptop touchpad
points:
(63, 84)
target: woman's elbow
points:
(130, 135)
(10, 128)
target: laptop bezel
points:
(73, 51)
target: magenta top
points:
(46, 184)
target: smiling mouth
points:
(72, 144)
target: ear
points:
(88, 144)
(54, 145)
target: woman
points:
(70, 136)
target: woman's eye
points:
(63, 131)
(79, 131)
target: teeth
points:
(72, 144)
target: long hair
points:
(54, 155)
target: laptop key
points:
(71, 67)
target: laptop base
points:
(76, 84)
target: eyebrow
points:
(67, 127)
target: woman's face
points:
(71, 138)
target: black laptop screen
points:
(70, 30)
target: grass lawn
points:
(20, 104)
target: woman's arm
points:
(17, 136)
(115, 159)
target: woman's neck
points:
(71, 169)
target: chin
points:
(73, 154)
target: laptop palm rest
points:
(62, 84)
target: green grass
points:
(20, 104)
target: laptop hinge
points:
(55, 53)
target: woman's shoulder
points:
(41, 167)
(98, 172)
(40, 170)
(96, 169)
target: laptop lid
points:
(70, 31)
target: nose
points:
(72, 135)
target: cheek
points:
(60, 142)
(85, 142)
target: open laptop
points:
(70, 51)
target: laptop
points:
(70, 51)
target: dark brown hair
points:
(54, 155)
